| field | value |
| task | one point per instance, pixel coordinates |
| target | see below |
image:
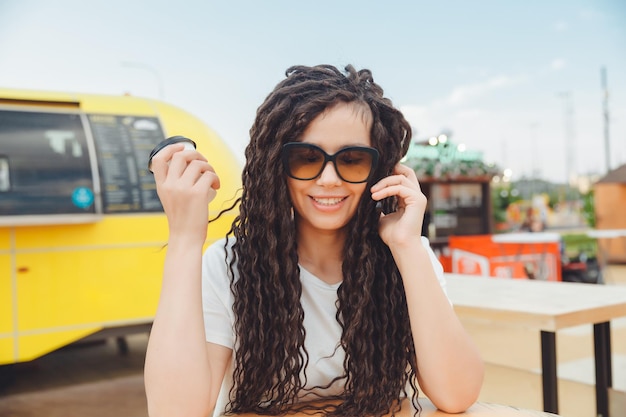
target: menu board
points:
(123, 145)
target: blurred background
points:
(519, 81)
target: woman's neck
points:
(322, 254)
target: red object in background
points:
(523, 256)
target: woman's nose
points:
(329, 175)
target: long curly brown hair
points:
(372, 311)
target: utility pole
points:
(534, 158)
(570, 146)
(605, 111)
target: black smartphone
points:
(379, 208)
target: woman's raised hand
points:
(186, 184)
(404, 225)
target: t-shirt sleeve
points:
(216, 297)
(436, 265)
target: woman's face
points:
(327, 203)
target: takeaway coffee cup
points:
(189, 145)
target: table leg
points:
(604, 377)
(548, 372)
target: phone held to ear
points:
(379, 208)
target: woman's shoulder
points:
(219, 247)
(217, 258)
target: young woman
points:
(315, 294)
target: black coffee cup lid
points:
(169, 141)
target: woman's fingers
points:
(184, 178)
(173, 163)
(160, 161)
(402, 184)
(186, 185)
(202, 176)
(180, 162)
(405, 223)
(195, 171)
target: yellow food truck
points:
(82, 231)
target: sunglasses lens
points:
(354, 165)
(305, 163)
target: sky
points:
(519, 81)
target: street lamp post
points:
(605, 114)
(150, 69)
(570, 154)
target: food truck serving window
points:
(44, 164)
(123, 145)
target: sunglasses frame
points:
(333, 158)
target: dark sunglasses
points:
(305, 161)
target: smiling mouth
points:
(328, 201)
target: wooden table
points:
(429, 410)
(547, 307)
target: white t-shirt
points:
(323, 332)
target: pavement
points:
(82, 380)
(96, 380)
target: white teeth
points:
(328, 201)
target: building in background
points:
(610, 200)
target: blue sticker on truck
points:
(82, 197)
